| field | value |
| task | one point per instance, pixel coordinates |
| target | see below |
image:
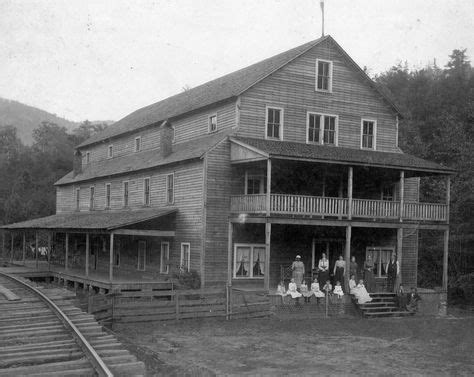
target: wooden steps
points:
(383, 304)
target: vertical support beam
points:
(24, 247)
(313, 253)
(49, 250)
(12, 234)
(36, 249)
(269, 185)
(347, 257)
(87, 254)
(341, 194)
(268, 234)
(3, 244)
(229, 254)
(111, 257)
(445, 260)
(448, 197)
(402, 194)
(350, 178)
(66, 250)
(399, 250)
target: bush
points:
(187, 279)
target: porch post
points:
(349, 192)
(12, 234)
(268, 233)
(402, 194)
(399, 250)
(448, 196)
(66, 252)
(24, 247)
(49, 250)
(87, 254)
(3, 243)
(347, 257)
(269, 185)
(36, 249)
(111, 257)
(229, 254)
(445, 260)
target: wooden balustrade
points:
(328, 206)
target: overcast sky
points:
(100, 60)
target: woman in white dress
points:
(352, 284)
(361, 293)
(292, 290)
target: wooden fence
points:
(176, 305)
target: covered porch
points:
(106, 250)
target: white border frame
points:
(252, 246)
(321, 129)
(374, 121)
(123, 194)
(164, 269)
(108, 205)
(209, 131)
(166, 189)
(149, 191)
(141, 242)
(282, 122)
(135, 149)
(181, 257)
(331, 64)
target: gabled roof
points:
(341, 155)
(218, 90)
(189, 150)
(93, 220)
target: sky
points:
(101, 60)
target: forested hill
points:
(26, 118)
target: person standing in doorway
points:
(298, 271)
(323, 271)
(339, 270)
(393, 270)
(369, 274)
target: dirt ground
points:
(277, 347)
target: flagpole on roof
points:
(321, 3)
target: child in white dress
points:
(361, 293)
(316, 291)
(305, 292)
(327, 287)
(292, 290)
(338, 290)
(352, 284)
(281, 289)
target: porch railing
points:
(331, 206)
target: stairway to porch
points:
(383, 304)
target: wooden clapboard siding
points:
(409, 265)
(412, 189)
(219, 186)
(293, 88)
(65, 198)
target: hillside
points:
(26, 118)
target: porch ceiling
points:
(92, 220)
(337, 155)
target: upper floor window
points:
(185, 259)
(88, 157)
(110, 151)
(212, 123)
(322, 129)
(255, 184)
(274, 123)
(125, 194)
(138, 142)
(78, 198)
(324, 75)
(107, 195)
(91, 197)
(170, 188)
(387, 192)
(146, 191)
(368, 134)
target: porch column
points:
(347, 257)
(445, 260)
(24, 247)
(3, 243)
(12, 234)
(36, 249)
(87, 254)
(66, 253)
(49, 250)
(268, 233)
(269, 185)
(399, 250)
(402, 194)
(340, 194)
(229, 254)
(349, 192)
(111, 257)
(448, 197)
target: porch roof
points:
(92, 220)
(337, 155)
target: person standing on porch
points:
(369, 274)
(339, 269)
(323, 271)
(298, 271)
(393, 270)
(353, 268)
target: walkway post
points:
(87, 254)
(66, 252)
(269, 184)
(229, 254)
(347, 258)
(399, 252)
(445, 260)
(266, 276)
(111, 257)
(402, 195)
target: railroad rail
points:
(39, 336)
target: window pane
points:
(258, 265)
(242, 261)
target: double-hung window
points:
(170, 188)
(91, 197)
(322, 129)
(380, 258)
(368, 134)
(107, 195)
(146, 191)
(125, 194)
(185, 260)
(323, 75)
(110, 151)
(138, 142)
(78, 198)
(274, 123)
(249, 261)
(212, 127)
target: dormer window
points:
(138, 142)
(323, 75)
(368, 134)
(274, 123)
(212, 127)
(110, 151)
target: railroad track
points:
(41, 336)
